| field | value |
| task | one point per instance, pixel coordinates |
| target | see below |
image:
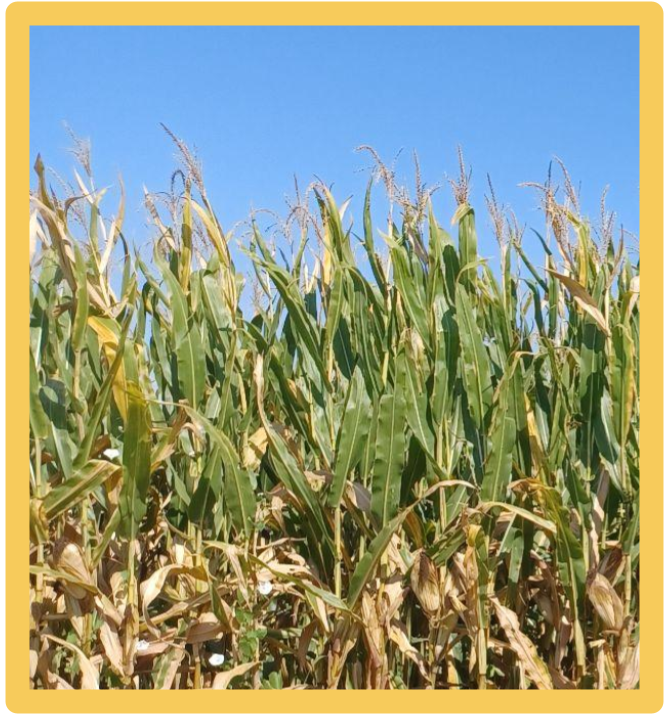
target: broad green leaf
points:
(191, 367)
(81, 484)
(389, 452)
(136, 463)
(476, 365)
(499, 462)
(239, 497)
(352, 433)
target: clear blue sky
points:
(264, 104)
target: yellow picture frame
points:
(19, 17)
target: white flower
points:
(217, 659)
(142, 645)
(111, 453)
(264, 587)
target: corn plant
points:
(403, 469)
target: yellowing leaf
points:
(582, 298)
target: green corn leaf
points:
(136, 463)
(476, 364)
(81, 484)
(352, 433)
(389, 453)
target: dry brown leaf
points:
(151, 588)
(76, 614)
(111, 643)
(169, 668)
(398, 635)
(318, 479)
(223, 679)
(108, 609)
(90, 679)
(344, 636)
(303, 645)
(68, 558)
(206, 627)
(157, 647)
(255, 449)
(560, 682)
(34, 659)
(628, 670)
(533, 665)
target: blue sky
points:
(263, 105)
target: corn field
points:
(405, 467)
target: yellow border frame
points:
(649, 17)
